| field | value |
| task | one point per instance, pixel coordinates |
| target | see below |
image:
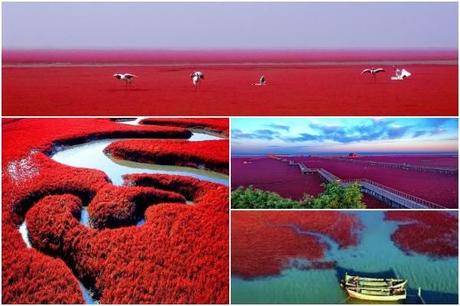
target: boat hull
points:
(355, 281)
(377, 298)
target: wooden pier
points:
(419, 294)
(393, 197)
(329, 177)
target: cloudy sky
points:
(252, 136)
(229, 25)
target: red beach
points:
(298, 83)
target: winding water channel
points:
(91, 155)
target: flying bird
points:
(262, 81)
(400, 74)
(126, 77)
(373, 72)
(197, 76)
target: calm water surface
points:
(376, 253)
(91, 155)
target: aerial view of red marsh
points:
(338, 162)
(230, 59)
(335, 257)
(115, 211)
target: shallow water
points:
(376, 253)
(131, 121)
(84, 216)
(87, 295)
(91, 155)
(25, 234)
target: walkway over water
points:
(391, 196)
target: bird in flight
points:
(262, 81)
(400, 74)
(373, 72)
(126, 77)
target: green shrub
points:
(334, 196)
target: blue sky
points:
(333, 135)
(229, 25)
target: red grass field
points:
(211, 154)
(422, 160)
(439, 188)
(430, 233)
(262, 244)
(218, 126)
(298, 84)
(272, 175)
(372, 202)
(180, 254)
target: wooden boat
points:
(358, 281)
(375, 294)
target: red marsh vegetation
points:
(302, 83)
(447, 161)
(180, 254)
(263, 244)
(439, 188)
(272, 175)
(215, 125)
(211, 154)
(430, 233)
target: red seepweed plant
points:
(179, 255)
(218, 126)
(436, 187)
(431, 233)
(211, 154)
(263, 242)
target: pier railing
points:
(396, 196)
(329, 177)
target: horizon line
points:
(348, 152)
(194, 56)
(238, 49)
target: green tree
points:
(337, 196)
(334, 196)
(255, 198)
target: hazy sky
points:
(327, 135)
(229, 25)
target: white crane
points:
(400, 74)
(126, 77)
(262, 81)
(197, 76)
(373, 72)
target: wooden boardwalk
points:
(391, 196)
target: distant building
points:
(353, 155)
